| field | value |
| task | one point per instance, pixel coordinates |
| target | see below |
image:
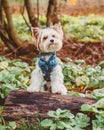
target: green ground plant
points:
(84, 28)
(22, 29)
(98, 122)
(76, 76)
(15, 74)
(30, 125)
(60, 120)
(79, 29)
(64, 119)
(9, 126)
(96, 108)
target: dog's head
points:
(49, 39)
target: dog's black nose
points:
(51, 40)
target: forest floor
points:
(92, 53)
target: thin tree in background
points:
(52, 12)
(7, 29)
(8, 32)
(11, 29)
(30, 11)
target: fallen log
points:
(23, 104)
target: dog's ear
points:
(35, 34)
(58, 28)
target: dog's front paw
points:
(61, 89)
(64, 92)
(32, 89)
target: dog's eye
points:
(44, 38)
(53, 35)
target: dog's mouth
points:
(53, 46)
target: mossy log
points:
(23, 104)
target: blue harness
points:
(47, 66)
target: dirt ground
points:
(92, 53)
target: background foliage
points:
(16, 74)
(79, 29)
(13, 74)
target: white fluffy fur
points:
(57, 85)
(42, 38)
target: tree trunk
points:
(8, 33)
(52, 12)
(22, 104)
(11, 30)
(3, 36)
(0, 11)
(6, 40)
(33, 20)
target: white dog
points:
(48, 41)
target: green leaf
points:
(88, 108)
(12, 125)
(77, 94)
(47, 123)
(60, 125)
(98, 93)
(58, 112)
(81, 120)
(99, 103)
(78, 128)
(3, 64)
(82, 81)
(93, 82)
(98, 123)
(67, 124)
(101, 81)
(101, 64)
(80, 62)
(52, 114)
(1, 110)
(53, 127)
(64, 114)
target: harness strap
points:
(47, 66)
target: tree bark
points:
(8, 33)
(7, 42)
(0, 11)
(11, 29)
(52, 12)
(3, 36)
(22, 104)
(33, 20)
